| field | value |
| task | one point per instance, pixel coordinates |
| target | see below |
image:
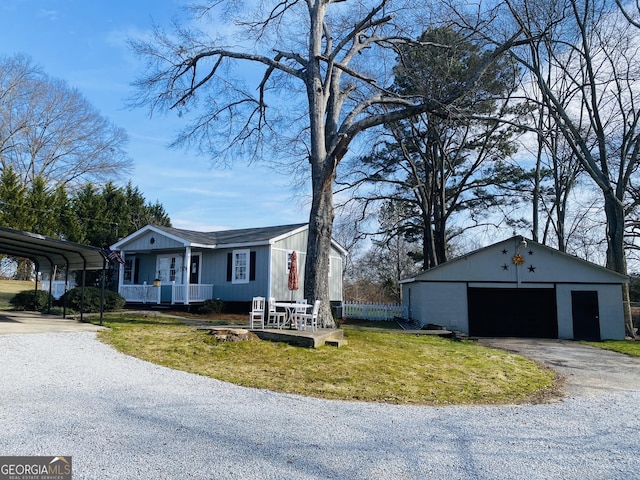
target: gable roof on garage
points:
(47, 252)
(539, 264)
(520, 288)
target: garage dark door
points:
(512, 312)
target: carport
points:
(48, 253)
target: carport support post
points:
(35, 293)
(104, 274)
(64, 295)
(52, 276)
(84, 279)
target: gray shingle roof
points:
(232, 237)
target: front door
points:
(586, 316)
(194, 270)
(169, 269)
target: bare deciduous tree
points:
(332, 57)
(595, 54)
(50, 131)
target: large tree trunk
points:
(616, 257)
(323, 127)
(428, 244)
(316, 276)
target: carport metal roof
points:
(46, 252)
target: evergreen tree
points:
(437, 165)
(41, 209)
(12, 200)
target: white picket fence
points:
(58, 287)
(373, 311)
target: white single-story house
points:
(519, 288)
(171, 265)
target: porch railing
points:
(373, 311)
(179, 293)
(196, 293)
(140, 293)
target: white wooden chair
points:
(257, 312)
(275, 319)
(310, 319)
(300, 309)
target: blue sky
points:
(84, 43)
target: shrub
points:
(112, 300)
(31, 300)
(211, 306)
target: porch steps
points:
(338, 342)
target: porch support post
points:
(121, 272)
(187, 264)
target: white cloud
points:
(48, 14)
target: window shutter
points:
(252, 266)
(229, 266)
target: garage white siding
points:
(439, 295)
(427, 304)
(610, 310)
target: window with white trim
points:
(240, 266)
(289, 254)
(128, 269)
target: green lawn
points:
(374, 366)
(8, 288)
(621, 346)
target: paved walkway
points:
(587, 370)
(34, 322)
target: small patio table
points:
(290, 309)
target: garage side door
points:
(512, 312)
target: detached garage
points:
(519, 288)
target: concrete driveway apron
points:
(34, 322)
(587, 370)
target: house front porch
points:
(169, 293)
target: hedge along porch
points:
(519, 288)
(231, 265)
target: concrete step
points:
(337, 342)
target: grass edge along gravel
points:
(383, 367)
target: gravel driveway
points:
(122, 418)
